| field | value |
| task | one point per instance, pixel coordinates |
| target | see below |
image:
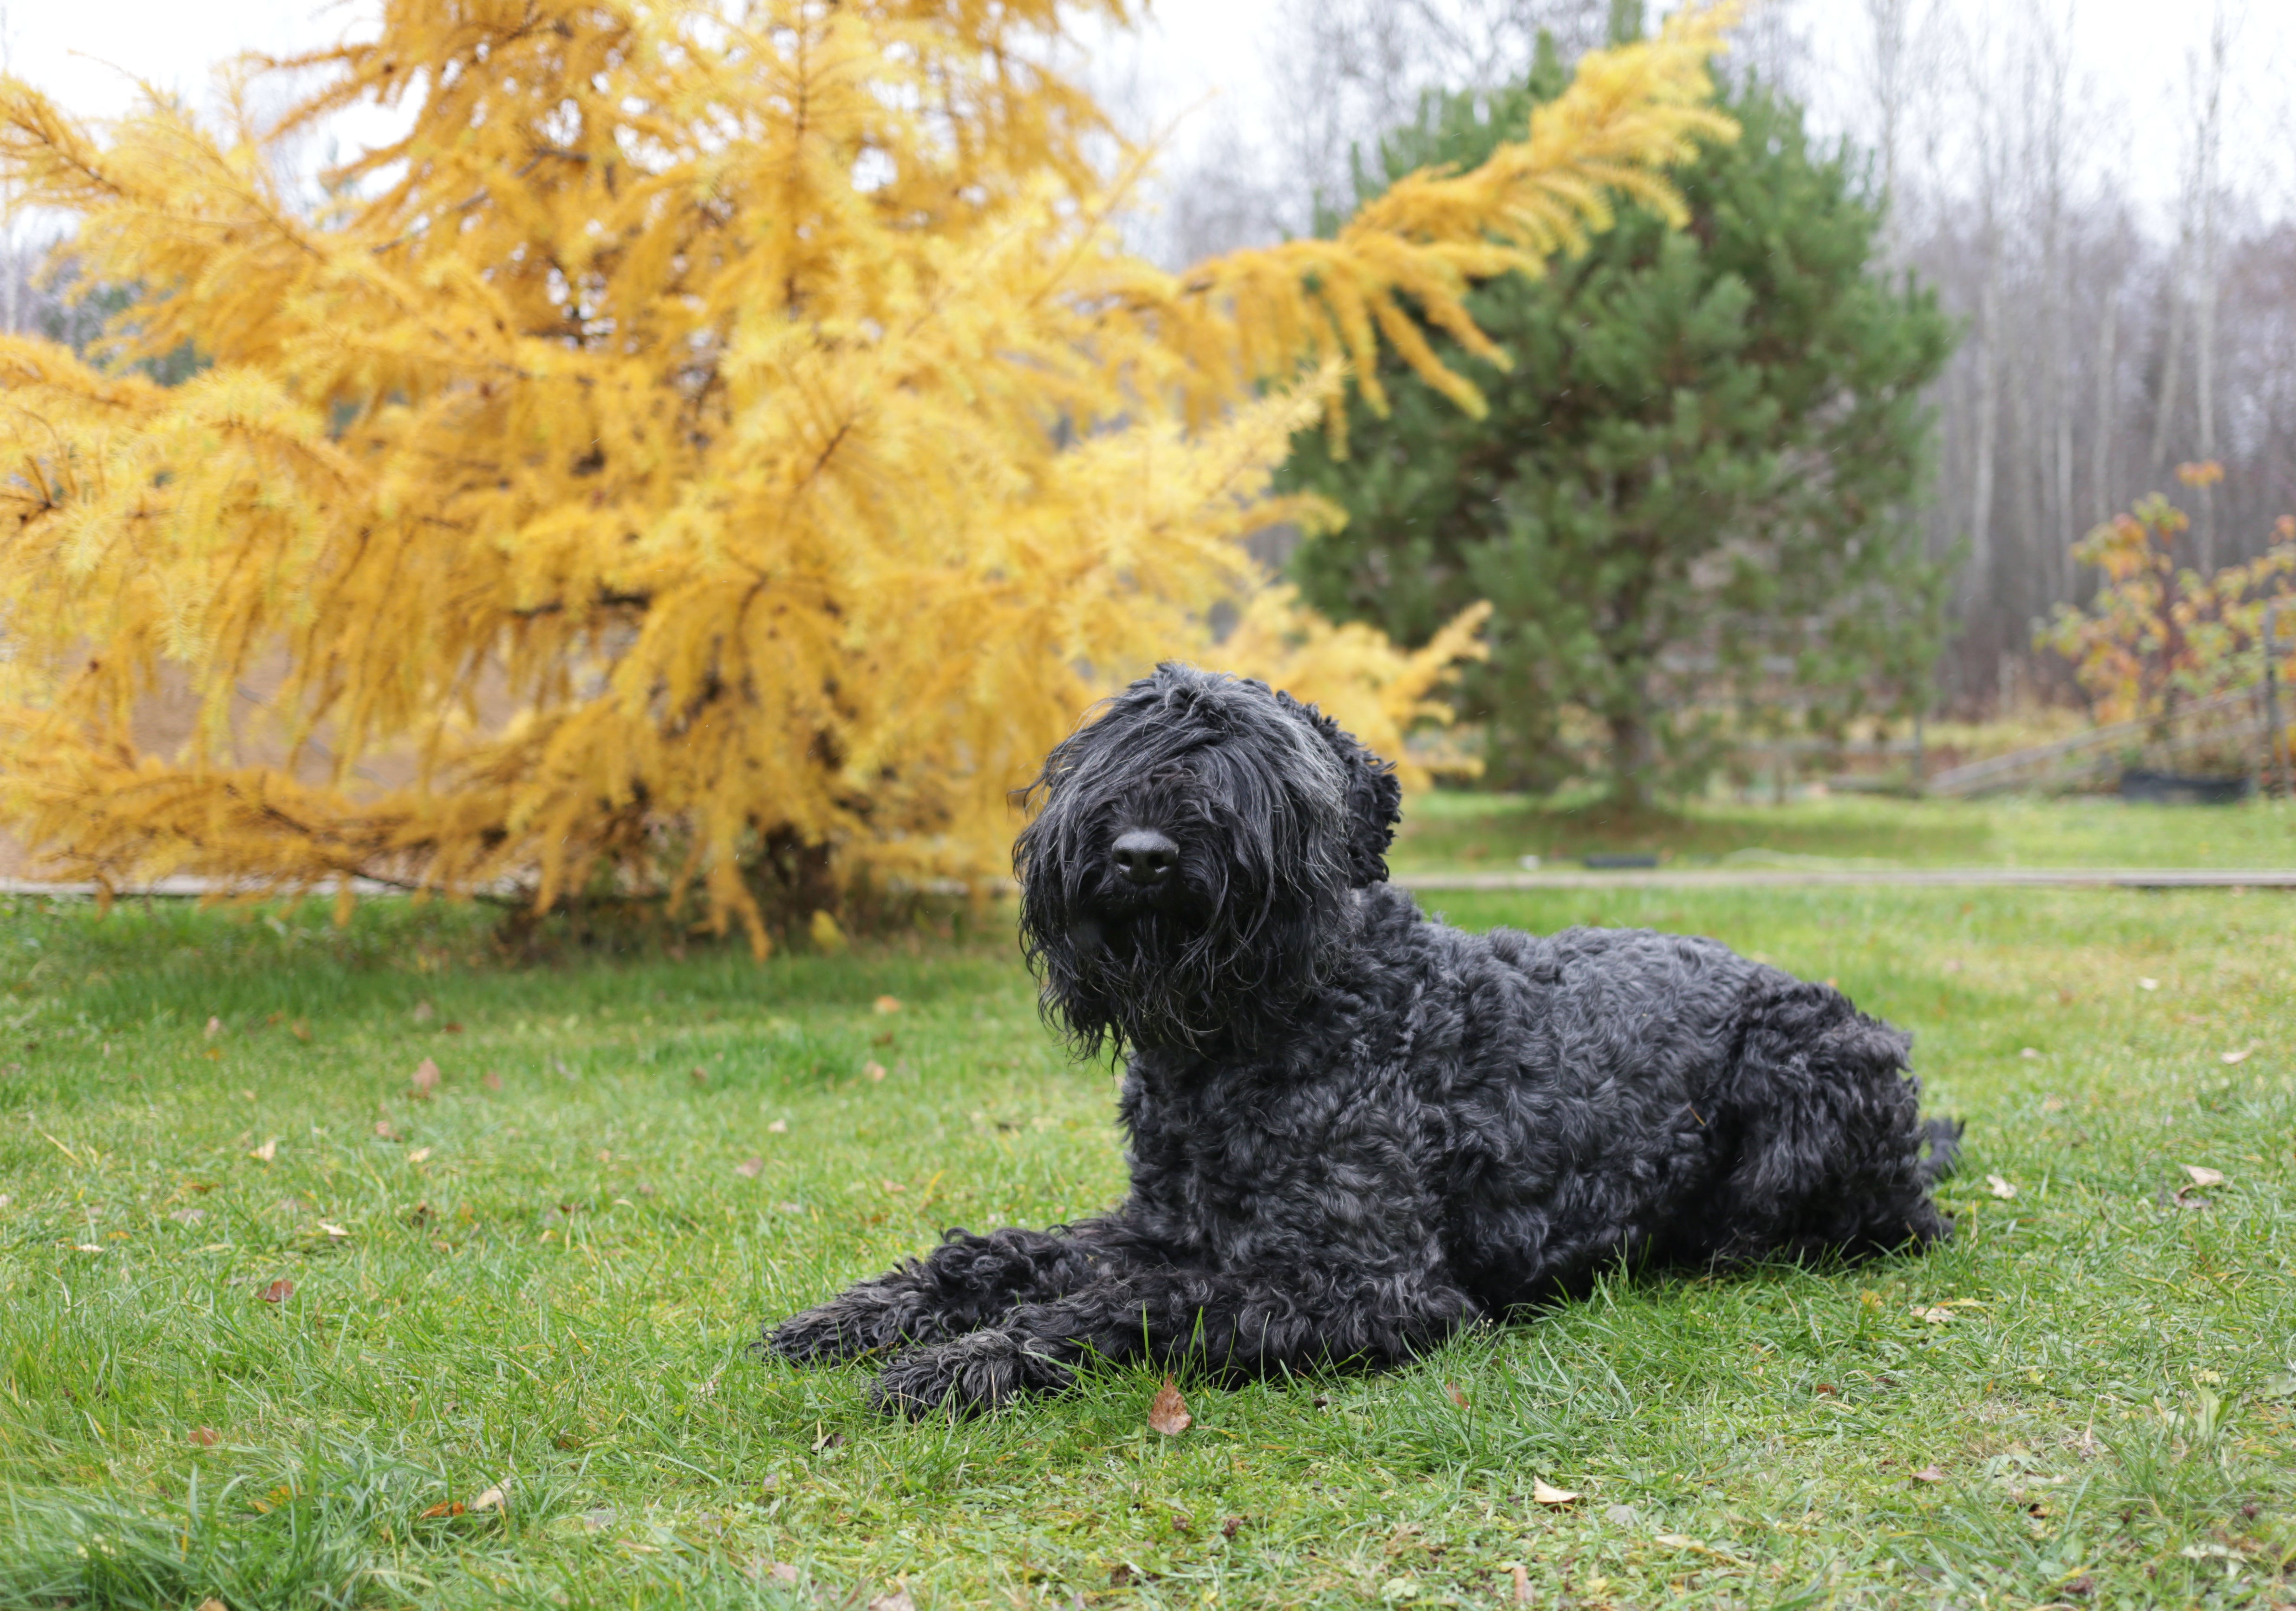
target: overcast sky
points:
(90, 54)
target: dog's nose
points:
(1146, 857)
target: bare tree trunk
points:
(2107, 388)
(2209, 138)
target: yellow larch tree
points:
(717, 448)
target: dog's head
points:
(1192, 858)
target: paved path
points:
(1718, 878)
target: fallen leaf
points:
(266, 1152)
(206, 1437)
(182, 1216)
(212, 1604)
(1928, 1473)
(278, 1291)
(873, 1069)
(1936, 1314)
(1548, 1495)
(491, 1500)
(828, 1440)
(779, 1127)
(424, 1012)
(454, 1029)
(418, 1155)
(2148, 984)
(2203, 1178)
(2000, 1188)
(781, 1572)
(700, 1076)
(301, 1029)
(1827, 1388)
(888, 1004)
(1521, 1586)
(1168, 1413)
(898, 1600)
(426, 1077)
(214, 1028)
(2242, 1056)
(335, 1231)
(383, 1130)
(750, 1168)
(490, 1080)
(1677, 1540)
(87, 1247)
(2029, 1052)
(1458, 1398)
(451, 1507)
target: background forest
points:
(2120, 263)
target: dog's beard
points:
(1187, 975)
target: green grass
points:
(1460, 830)
(556, 1298)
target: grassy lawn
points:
(541, 1276)
(1489, 831)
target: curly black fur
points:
(1353, 1129)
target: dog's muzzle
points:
(1145, 857)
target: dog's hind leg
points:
(965, 1282)
(1230, 1323)
(1827, 1134)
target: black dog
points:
(1353, 1129)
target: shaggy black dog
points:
(1354, 1129)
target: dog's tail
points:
(1944, 1138)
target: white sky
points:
(88, 54)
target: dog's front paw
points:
(843, 1331)
(971, 1376)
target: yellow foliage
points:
(713, 439)
(1378, 692)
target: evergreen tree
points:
(1689, 496)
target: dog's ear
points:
(1375, 797)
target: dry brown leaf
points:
(2029, 1051)
(301, 1029)
(1521, 1586)
(750, 1168)
(384, 1132)
(2242, 1056)
(893, 1186)
(898, 1600)
(1168, 1413)
(426, 1077)
(2000, 1188)
(491, 1500)
(1457, 1397)
(873, 1069)
(2202, 1177)
(424, 1012)
(1936, 1314)
(1547, 1494)
(418, 1155)
(490, 1080)
(779, 1127)
(451, 1507)
(781, 1572)
(334, 1232)
(181, 1216)
(1928, 1473)
(278, 1291)
(214, 1028)
(266, 1152)
(213, 1604)
(700, 1075)
(206, 1437)
(888, 1004)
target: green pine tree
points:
(1691, 500)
